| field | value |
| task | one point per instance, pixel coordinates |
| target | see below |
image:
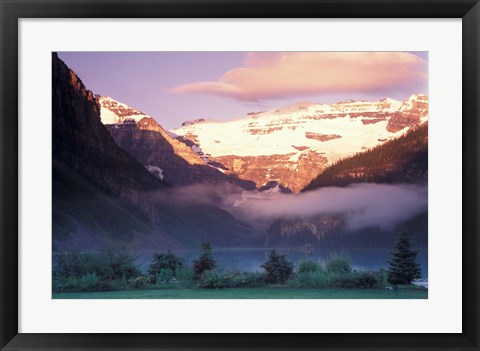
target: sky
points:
(174, 87)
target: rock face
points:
(294, 144)
(412, 112)
(288, 170)
(196, 121)
(163, 155)
(81, 142)
(99, 190)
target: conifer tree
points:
(403, 267)
(205, 262)
(278, 268)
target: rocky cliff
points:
(81, 142)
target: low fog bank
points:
(363, 205)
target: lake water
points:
(250, 259)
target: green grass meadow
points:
(249, 293)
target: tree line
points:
(117, 271)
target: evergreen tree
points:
(205, 262)
(403, 267)
(278, 268)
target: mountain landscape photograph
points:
(240, 175)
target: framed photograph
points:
(248, 175)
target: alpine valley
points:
(121, 180)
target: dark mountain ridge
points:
(104, 197)
(81, 142)
(401, 160)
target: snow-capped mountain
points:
(113, 112)
(164, 156)
(293, 144)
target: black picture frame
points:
(13, 10)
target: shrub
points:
(139, 282)
(231, 279)
(248, 280)
(61, 283)
(278, 268)
(343, 281)
(215, 280)
(357, 280)
(310, 279)
(368, 280)
(102, 271)
(339, 265)
(89, 282)
(185, 277)
(382, 274)
(168, 261)
(107, 265)
(165, 275)
(308, 266)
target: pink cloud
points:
(277, 75)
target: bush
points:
(168, 261)
(165, 275)
(89, 282)
(339, 265)
(101, 271)
(249, 280)
(343, 282)
(139, 282)
(278, 268)
(368, 280)
(215, 280)
(107, 265)
(61, 284)
(357, 280)
(185, 277)
(310, 279)
(308, 266)
(231, 279)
